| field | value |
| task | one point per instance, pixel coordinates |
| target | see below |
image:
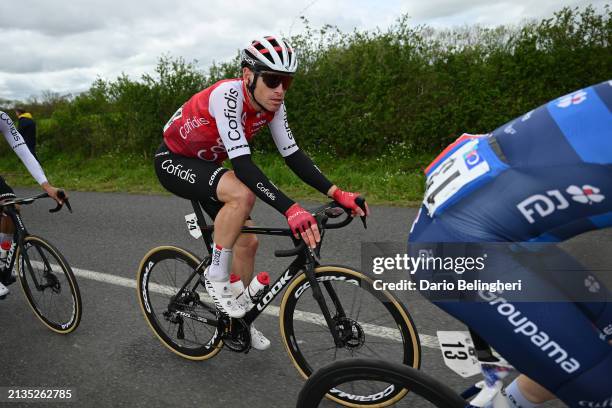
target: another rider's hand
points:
(53, 192)
(303, 224)
(347, 200)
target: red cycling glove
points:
(347, 200)
(299, 219)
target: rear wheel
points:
(370, 323)
(175, 304)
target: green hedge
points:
(398, 93)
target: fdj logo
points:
(572, 99)
(585, 195)
(544, 205)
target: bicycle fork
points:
(317, 294)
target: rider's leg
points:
(239, 201)
(6, 224)
(524, 392)
(243, 265)
(243, 262)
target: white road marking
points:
(370, 329)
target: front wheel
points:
(49, 285)
(370, 324)
(348, 371)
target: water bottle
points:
(257, 287)
(4, 248)
(252, 294)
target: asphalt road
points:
(114, 360)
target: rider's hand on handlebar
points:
(303, 225)
(53, 192)
(347, 200)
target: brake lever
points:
(62, 195)
(360, 201)
(68, 204)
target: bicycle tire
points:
(340, 372)
(40, 258)
(398, 330)
(155, 293)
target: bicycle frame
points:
(18, 235)
(306, 261)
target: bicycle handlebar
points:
(322, 214)
(29, 200)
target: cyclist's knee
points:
(234, 193)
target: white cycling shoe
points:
(5, 291)
(225, 301)
(258, 340)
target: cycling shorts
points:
(189, 178)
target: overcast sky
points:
(63, 45)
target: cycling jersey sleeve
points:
(304, 168)
(15, 140)
(258, 183)
(225, 106)
(281, 133)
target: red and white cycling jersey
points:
(218, 122)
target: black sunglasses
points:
(272, 81)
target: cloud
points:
(64, 45)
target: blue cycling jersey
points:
(545, 176)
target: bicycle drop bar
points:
(30, 200)
(322, 215)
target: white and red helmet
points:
(270, 53)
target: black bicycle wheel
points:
(183, 320)
(343, 372)
(373, 324)
(49, 285)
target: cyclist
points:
(545, 177)
(15, 140)
(218, 123)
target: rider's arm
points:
(295, 158)
(15, 140)
(257, 182)
(301, 164)
(225, 106)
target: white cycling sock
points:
(516, 397)
(218, 271)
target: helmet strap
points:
(251, 89)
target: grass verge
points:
(383, 180)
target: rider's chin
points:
(274, 105)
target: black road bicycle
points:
(46, 278)
(327, 313)
(467, 356)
